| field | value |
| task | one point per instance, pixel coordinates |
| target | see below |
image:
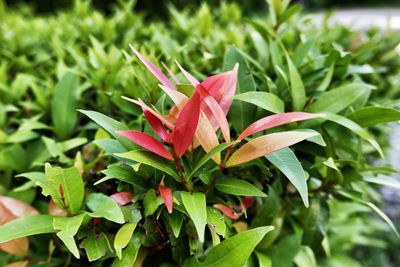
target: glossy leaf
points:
(148, 142)
(274, 121)
(238, 187)
(130, 253)
(95, 245)
(195, 205)
(103, 206)
(266, 144)
(286, 161)
(233, 251)
(264, 100)
(166, 195)
(206, 137)
(220, 117)
(156, 124)
(123, 237)
(69, 227)
(227, 211)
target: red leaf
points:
(247, 201)
(228, 212)
(220, 117)
(274, 121)
(185, 128)
(147, 142)
(166, 195)
(154, 70)
(122, 198)
(157, 125)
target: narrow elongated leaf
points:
(26, 226)
(208, 156)
(153, 69)
(157, 125)
(274, 121)
(69, 227)
(65, 186)
(63, 104)
(123, 237)
(177, 97)
(383, 180)
(104, 207)
(219, 115)
(173, 76)
(166, 195)
(206, 136)
(151, 160)
(148, 142)
(297, 90)
(227, 211)
(286, 161)
(370, 116)
(233, 251)
(355, 128)
(237, 187)
(263, 100)
(188, 76)
(195, 205)
(185, 128)
(125, 175)
(339, 98)
(266, 144)
(110, 125)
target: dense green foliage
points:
(321, 197)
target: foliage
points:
(192, 173)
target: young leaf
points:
(26, 226)
(151, 160)
(237, 187)
(153, 69)
(274, 121)
(195, 205)
(233, 251)
(123, 237)
(104, 207)
(157, 125)
(122, 198)
(206, 136)
(166, 195)
(216, 221)
(65, 186)
(188, 76)
(286, 161)
(263, 100)
(266, 144)
(148, 142)
(219, 115)
(227, 211)
(185, 128)
(69, 227)
(63, 104)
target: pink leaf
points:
(228, 212)
(265, 145)
(188, 76)
(122, 198)
(147, 142)
(206, 136)
(274, 121)
(177, 97)
(185, 128)
(144, 107)
(157, 125)
(176, 80)
(153, 69)
(166, 195)
(17, 207)
(220, 117)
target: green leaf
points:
(150, 159)
(241, 114)
(238, 187)
(69, 227)
(65, 186)
(151, 202)
(263, 260)
(297, 90)
(383, 180)
(104, 207)
(125, 175)
(26, 226)
(339, 98)
(264, 100)
(123, 237)
(195, 205)
(370, 116)
(355, 128)
(95, 245)
(110, 146)
(327, 80)
(175, 220)
(63, 104)
(130, 253)
(286, 161)
(233, 251)
(111, 126)
(208, 156)
(216, 221)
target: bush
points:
(152, 184)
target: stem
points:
(179, 168)
(221, 169)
